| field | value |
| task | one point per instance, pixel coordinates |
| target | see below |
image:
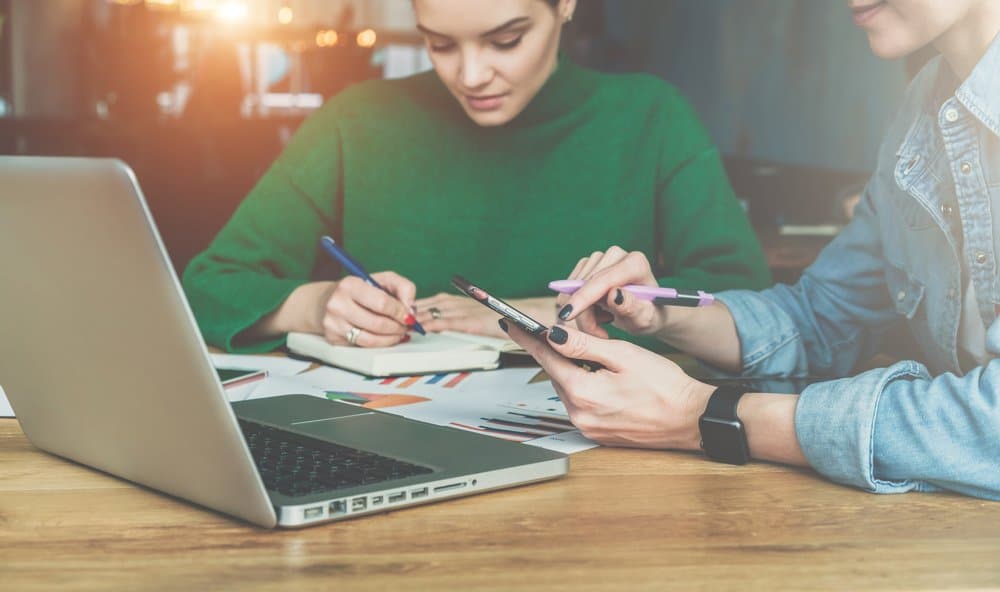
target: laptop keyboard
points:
(295, 465)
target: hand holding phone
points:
(499, 306)
(510, 313)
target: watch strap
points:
(724, 401)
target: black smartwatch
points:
(722, 435)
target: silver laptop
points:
(104, 365)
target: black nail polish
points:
(503, 325)
(565, 312)
(558, 335)
(619, 297)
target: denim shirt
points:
(928, 223)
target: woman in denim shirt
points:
(922, 250)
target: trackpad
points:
(293, 409)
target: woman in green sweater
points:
(471, 169)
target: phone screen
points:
(234, 376)
(499, 306)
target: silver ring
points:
(352, 335)
(435, 312)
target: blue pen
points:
(354, 268)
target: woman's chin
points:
(490, 118)
(890, 49)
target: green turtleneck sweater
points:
(594, 160)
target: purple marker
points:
(658, 296)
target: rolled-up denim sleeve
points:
(888, 430)
(835, 423)
(897, 429)
(941, 433)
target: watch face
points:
(723, 440)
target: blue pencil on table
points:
(355, 268)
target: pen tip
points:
(411, 322)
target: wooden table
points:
(622, 519)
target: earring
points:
(568, 18)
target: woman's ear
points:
(566, 10)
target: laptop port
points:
(358, 504)
(377, 500)
(310, 513)
(416, 493)
(339, 507)
(449, 487)
(397, 497)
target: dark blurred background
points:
(199, 96)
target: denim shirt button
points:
(951, 115)
(947, 210)
(980, 257)
(901, 295)
(965, 167)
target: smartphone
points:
(510, 313)
(499, 306)
(231, 377)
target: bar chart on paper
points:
(437, 380)
(512, 404)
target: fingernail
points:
(619, 297)
(558, 335)
(565, 312)
(410, 320)
(503, 325)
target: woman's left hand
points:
(638, 399)
(448, 312)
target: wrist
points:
(304, 309)
(769, 420)
(671, 322)
(697, 396)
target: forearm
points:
(302, 311)
(769, 421)
(709, 333)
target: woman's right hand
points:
(374, 318)
(602, 300)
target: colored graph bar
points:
(535, 427)
(505, 434)
(436, 378)
(454, 381)
(409, 382)
(388, 381)
(555, 420)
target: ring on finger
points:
(435, 312)
(352, 335)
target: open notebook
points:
(423, 354)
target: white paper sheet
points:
(273, 386)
